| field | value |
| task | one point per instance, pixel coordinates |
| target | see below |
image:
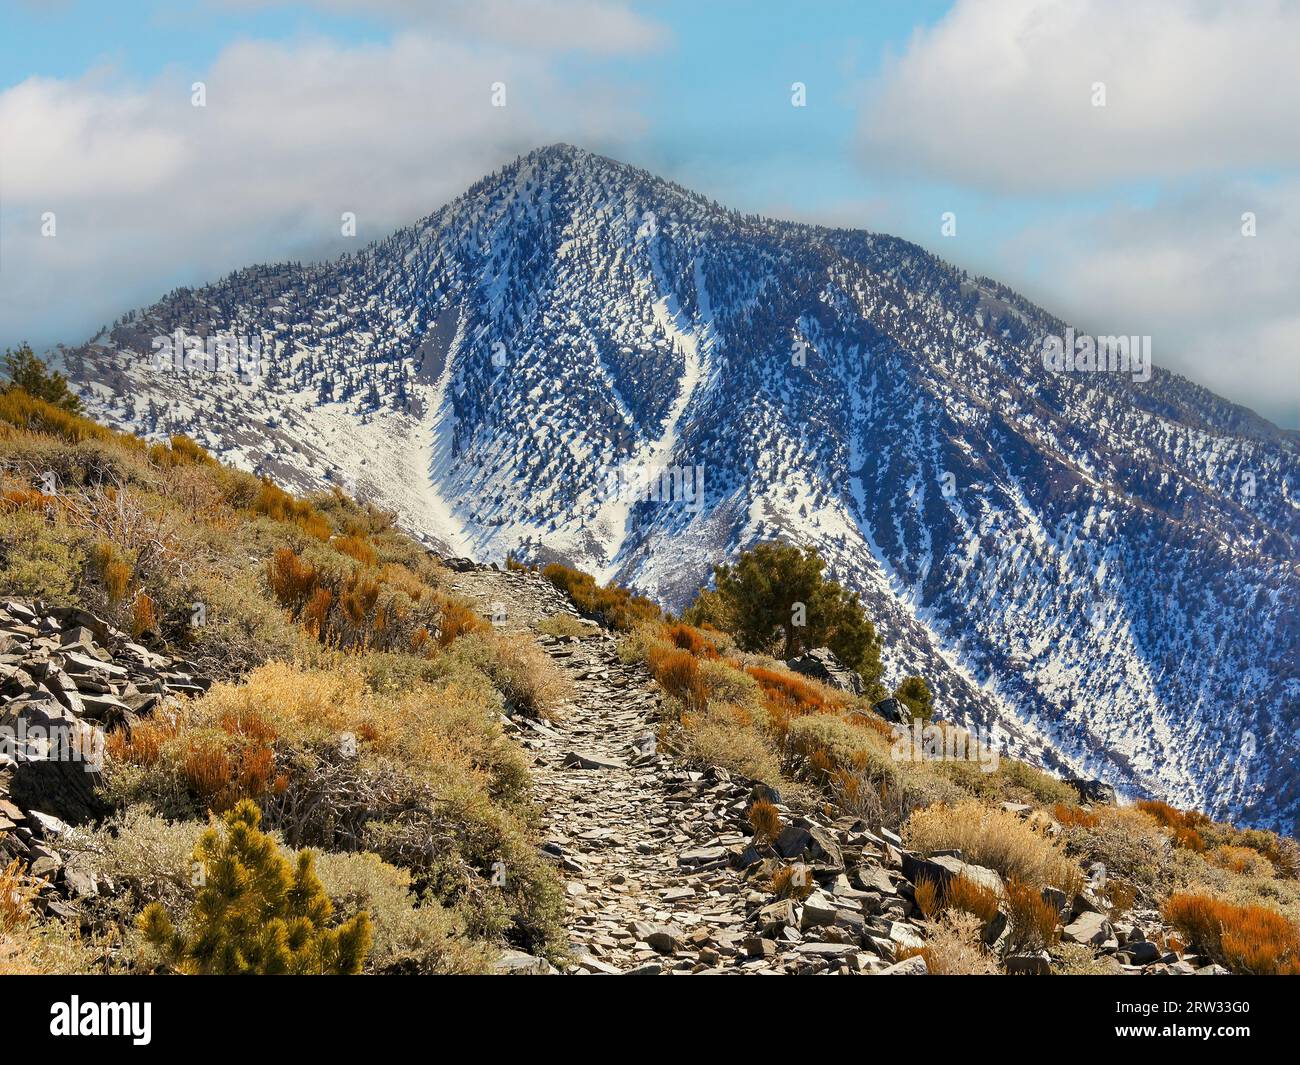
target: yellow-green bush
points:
(256, 912)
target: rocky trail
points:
(655, 854)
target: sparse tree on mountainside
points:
(775, 600)
(29, 373)
(914, 694)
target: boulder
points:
(58, 760)
(792, 841)
(818, 910)
(777, 915)
(822, 664)
(1039, 964)
(587, 760)
(824, 847)
(1093, 930)
(940, 868)
(874, 878)
(517, 963)
(1142, 953)
(892, 711)
(1092, 790)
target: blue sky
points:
(1124, 218)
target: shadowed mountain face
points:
(577, 360)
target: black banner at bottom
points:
(151, 1014)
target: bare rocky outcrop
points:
(66, 678)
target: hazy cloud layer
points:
(605, 26)
(1200, 95)
(1220, 306)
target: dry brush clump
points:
(18, 890)
(527, 678)
(765, 820)
(1246, 939)
(953, 947)
(793, 882)
(1032, 920)
(1183, 825)
(613, 605)
(994, 838)
(1243, 860)
(1132, 846)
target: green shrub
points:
(256, 913)
(29, 374)
(914, 694)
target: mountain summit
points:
(578, 360)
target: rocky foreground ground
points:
(661, 870)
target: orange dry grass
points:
(802, 695)
(315, 614)
(1189, 839)
(355, 547)
(275, 503)
(1244, 860)
(143, 617)
(25, 499)
(17, 890)
(459, 619)
(1171, 816)
(962, 893)
(143, 743)
(1183, 824)
(1031, 917)
(793, 882)
(689, 638)
(1073, 817)
(765, 819)
(1247, 939)
(678, 673)
(208, 770)
(293, 581)
(927, 898)
(957, 893)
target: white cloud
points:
(150, 192)
(999, 93)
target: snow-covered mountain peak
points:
(578, 360)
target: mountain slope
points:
(1101, 572)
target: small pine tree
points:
(27, 372)
(914, 694)
(257, 913)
